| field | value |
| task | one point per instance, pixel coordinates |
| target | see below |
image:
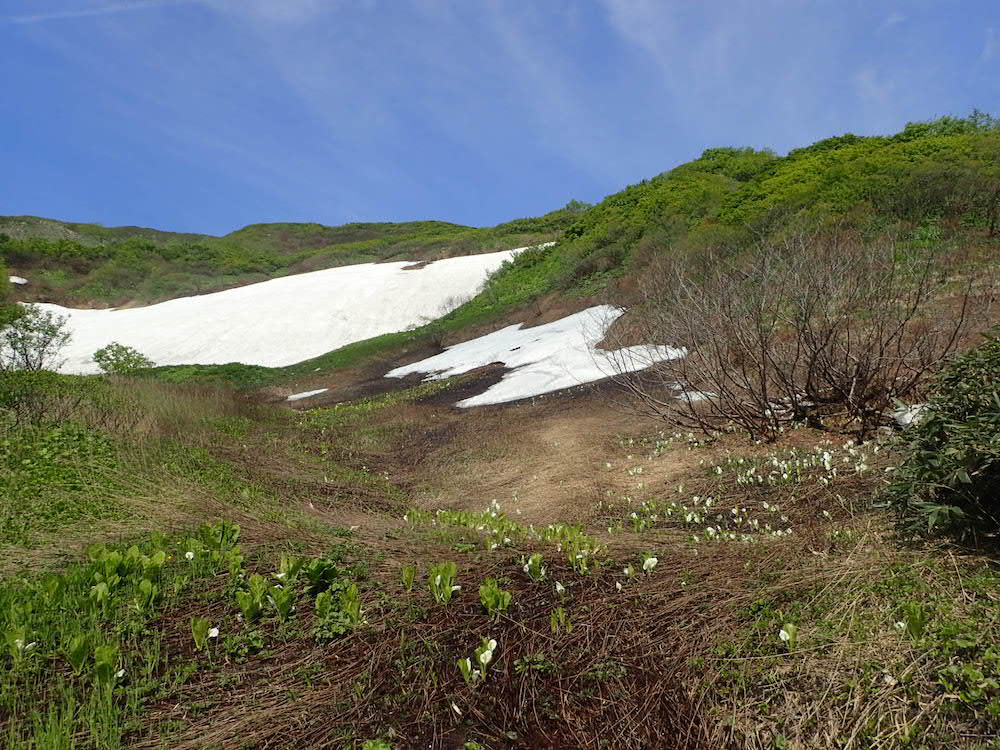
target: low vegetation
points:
(76, 265)
(186, 567)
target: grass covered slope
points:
(85, 264)
(282, 580)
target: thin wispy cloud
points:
(894, 19)
(104, 10)
(992, 46)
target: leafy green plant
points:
(106, 664)
(76, 651)
(350, 604)
(282, 598)
(559, 620)
(331, 621)
(915, 620)
(949, 482)
(534, 567)
(251, 602)
(408, 575)
(494, 599)
(441, 581)
(199, 631)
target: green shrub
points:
(33, 341)
(949, 482)
(119, 359)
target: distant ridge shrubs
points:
(949, 483)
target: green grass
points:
(80, 656)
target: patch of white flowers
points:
(582, 551)
(822, 465)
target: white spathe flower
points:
(120, 673)
(189, 555)
(560, 589)
(213, 633)
(618, 585)
(456, 588)
(649, 563)
(456, 709)
(279, 575)
(437, 580)
(784, 635)
(486, 657)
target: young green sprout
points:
(494, 599)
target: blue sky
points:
(206, 115)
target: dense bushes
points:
(949, 483)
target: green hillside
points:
(934, 184)
(86, 264)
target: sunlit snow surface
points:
(542, 359)
(281, 321)
(306, 394)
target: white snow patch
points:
(306, 394)
(281, 321)
(542, 359)
(907, 415)
(19, 280)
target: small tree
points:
(119, 359)
(33, 341)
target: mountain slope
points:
(85, 265)
(933, 186)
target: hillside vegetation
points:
(932, 189)
(90, 265)
(183, 566)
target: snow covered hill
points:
(282, 321)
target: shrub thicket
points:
(949, 483)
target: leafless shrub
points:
(825, 331)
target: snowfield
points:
(306, 394)
(281, 321)
(542, 359)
